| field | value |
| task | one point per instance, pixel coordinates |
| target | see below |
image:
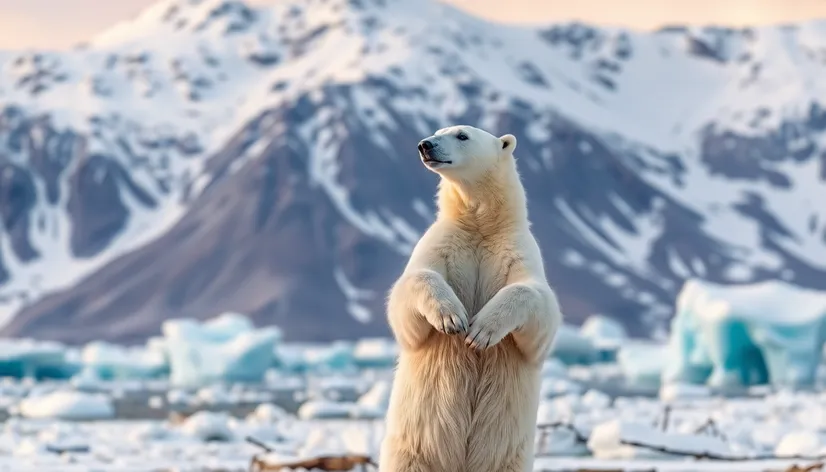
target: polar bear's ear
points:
(508, 142)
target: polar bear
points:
(474, 318)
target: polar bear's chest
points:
(476, 273)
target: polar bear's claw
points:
(484, 332)
(451, 319)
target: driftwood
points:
(809, 468)
(709, 427)
(326, 463)
(81, 449)
(545, 427)
(704, 455)
(258, 443)
(666, 418)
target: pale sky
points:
(63, 23)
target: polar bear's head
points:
(464, 152)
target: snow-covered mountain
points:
(211, 156)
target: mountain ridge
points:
(684, 152)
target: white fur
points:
(474, 316)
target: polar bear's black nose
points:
(425, 145)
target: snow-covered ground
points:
(577, 427)
(69, 425)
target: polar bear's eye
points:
(461, 137)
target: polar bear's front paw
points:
(449, 317)
(485, 331)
